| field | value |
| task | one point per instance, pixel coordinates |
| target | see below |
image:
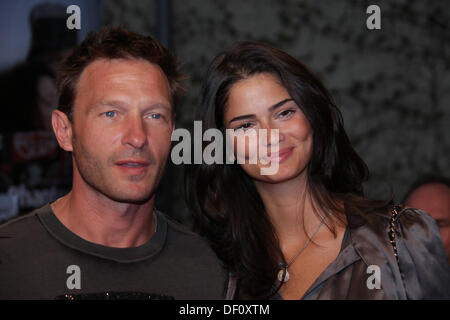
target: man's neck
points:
(101, 220)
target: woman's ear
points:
(62, 128)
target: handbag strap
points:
(394, 213)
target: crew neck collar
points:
(125, 255)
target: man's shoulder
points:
(195, 256)
(180, 231)
(177, 226)
(22, 226)
(183, 237)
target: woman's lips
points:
(279, 156)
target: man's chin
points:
(131, 197)
(132, 200)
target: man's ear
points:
(62, 127)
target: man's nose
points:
(135, 132)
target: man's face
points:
(121, 129)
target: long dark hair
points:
(226, 206)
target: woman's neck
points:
(290, 208)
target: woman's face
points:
(261, 102)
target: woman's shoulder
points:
(399, 210)
(422, 257)
(402, 218)
(410, 225)
(405, 227)
(408, 243)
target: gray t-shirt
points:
(41, 259)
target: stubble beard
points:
(94, 174)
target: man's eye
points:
(155, 116)
(110, 114)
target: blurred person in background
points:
(432, 194)
(33, 170)
(28, 90)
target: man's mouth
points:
(133, 166)
(132, 163)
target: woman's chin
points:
(280, 176)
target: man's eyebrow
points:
(112, 103)
(271, 109)
(159, 105)
(121, 104)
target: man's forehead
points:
(432, 188)
(101, 67)
(433, 198)
(126, 80)
(104, 73)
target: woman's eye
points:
(243, 126)
(285, 113)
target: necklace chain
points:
(283, 274)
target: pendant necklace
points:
(283, 274)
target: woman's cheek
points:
(246, 147)
(301, 128)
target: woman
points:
(306, 230)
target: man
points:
(432, 195)
(105, 239)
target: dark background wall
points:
(392, 85)
(15, 29)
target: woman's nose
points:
(270, 136)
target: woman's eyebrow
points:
(279, 104)
(246, 116)
(271, 109)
